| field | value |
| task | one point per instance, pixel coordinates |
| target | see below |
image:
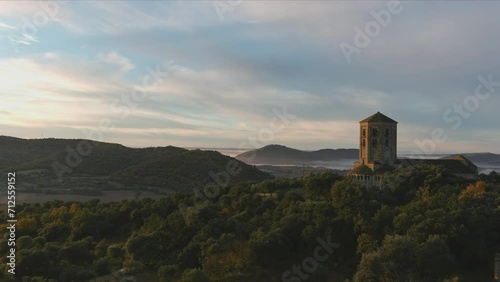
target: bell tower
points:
(377, 141)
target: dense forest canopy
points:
(424, 225)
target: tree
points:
(133, 267)
(473, 190)
(404, 182)
(271, 248)
(355, 203)
(434, 261)
(84, 224)
(36, 263)
(393, 261)
(24, 242)
(102, 266)
(39, 241)
(194, 275)
(85, 275)
(56, 231)
(400, 258)
(144, 248)
(151, 224)
(236, 257)
(78, 252)
(317, 186)
(26, 226)
(166, 273)
(366, 244)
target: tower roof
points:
(378, 117)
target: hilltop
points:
(280, 155)
(283, 155)
(115, 165)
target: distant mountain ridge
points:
(171, 167)
(279, 155)
(282, 155)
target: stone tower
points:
(377, 142)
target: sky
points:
(245, 74)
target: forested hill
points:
(423, 226)
(170, 167)
(279, 154)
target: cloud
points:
(27, 75)
(124, 17)
(7, 26)
(114, 58)
(30, 37)
(26, 39)
(45, 92)
(226, 77)
(21, 41)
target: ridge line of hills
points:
(162, 167)
(111, 165)
(278, 155)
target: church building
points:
(378, 154)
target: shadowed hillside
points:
(162, 167)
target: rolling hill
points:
(282, 155)
(341, 158)
(162, 167)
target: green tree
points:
(24, 242)
(393, 261)
(35, 263)
(317, 186)
(79, 252)
(84, 224)
(166, 273)
(194, 275)
(85, 275)
(102, 266)
(144, 248)
(56, 231)
(434, 260)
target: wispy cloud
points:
(122, 62)
(7, 26)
